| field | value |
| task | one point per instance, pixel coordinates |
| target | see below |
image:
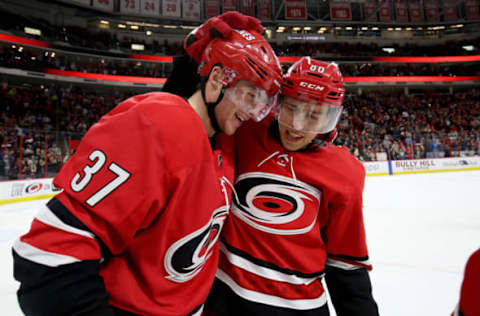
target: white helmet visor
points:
(308, 117)
(251, 100)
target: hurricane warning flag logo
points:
(275, 204)
(33, 188)
(186, 257)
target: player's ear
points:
(216, 77)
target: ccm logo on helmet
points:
(311, 86)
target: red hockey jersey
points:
(145, 183)
(469, 304)
(292, 214)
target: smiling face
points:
(311, 102)
(294, 140)
(229, 116)
(242, 102)
(299, 121)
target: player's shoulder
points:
(168, 121)
(154, 103)
(343, 153)
(474, 259)
(345, 160)
(167, 112)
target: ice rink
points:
(421, 229)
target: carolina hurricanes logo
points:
(275, 204)
(33, 188)
(186, 257)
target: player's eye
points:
(291, 107)
(250, 97)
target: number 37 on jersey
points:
(97, 162)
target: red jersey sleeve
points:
(469, 304)
(345, 232)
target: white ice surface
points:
(421, 229)
(15, 220)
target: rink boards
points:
(26, 190)
(394, 167)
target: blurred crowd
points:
(393, 125)
(37, 125)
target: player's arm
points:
(350, 291)
(103, 204)
(347, 266)
(55, 280)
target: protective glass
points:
(308, 117)
(251, 100)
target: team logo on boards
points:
(186, 257)
(275, 204)
(33, 188)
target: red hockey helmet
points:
(245, 56)
(314, 94)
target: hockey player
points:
(135, 229)
(469, 304)
(296, 211)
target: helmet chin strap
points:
(211, 105)
(318, 141)
(323, 139)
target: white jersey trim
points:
(264, 271)
(39, 256)
(346, 266)
(199, 312)
(300, 304)
(46, 216)
(456, 312)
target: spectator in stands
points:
(7, 162)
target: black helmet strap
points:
(211, 105)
